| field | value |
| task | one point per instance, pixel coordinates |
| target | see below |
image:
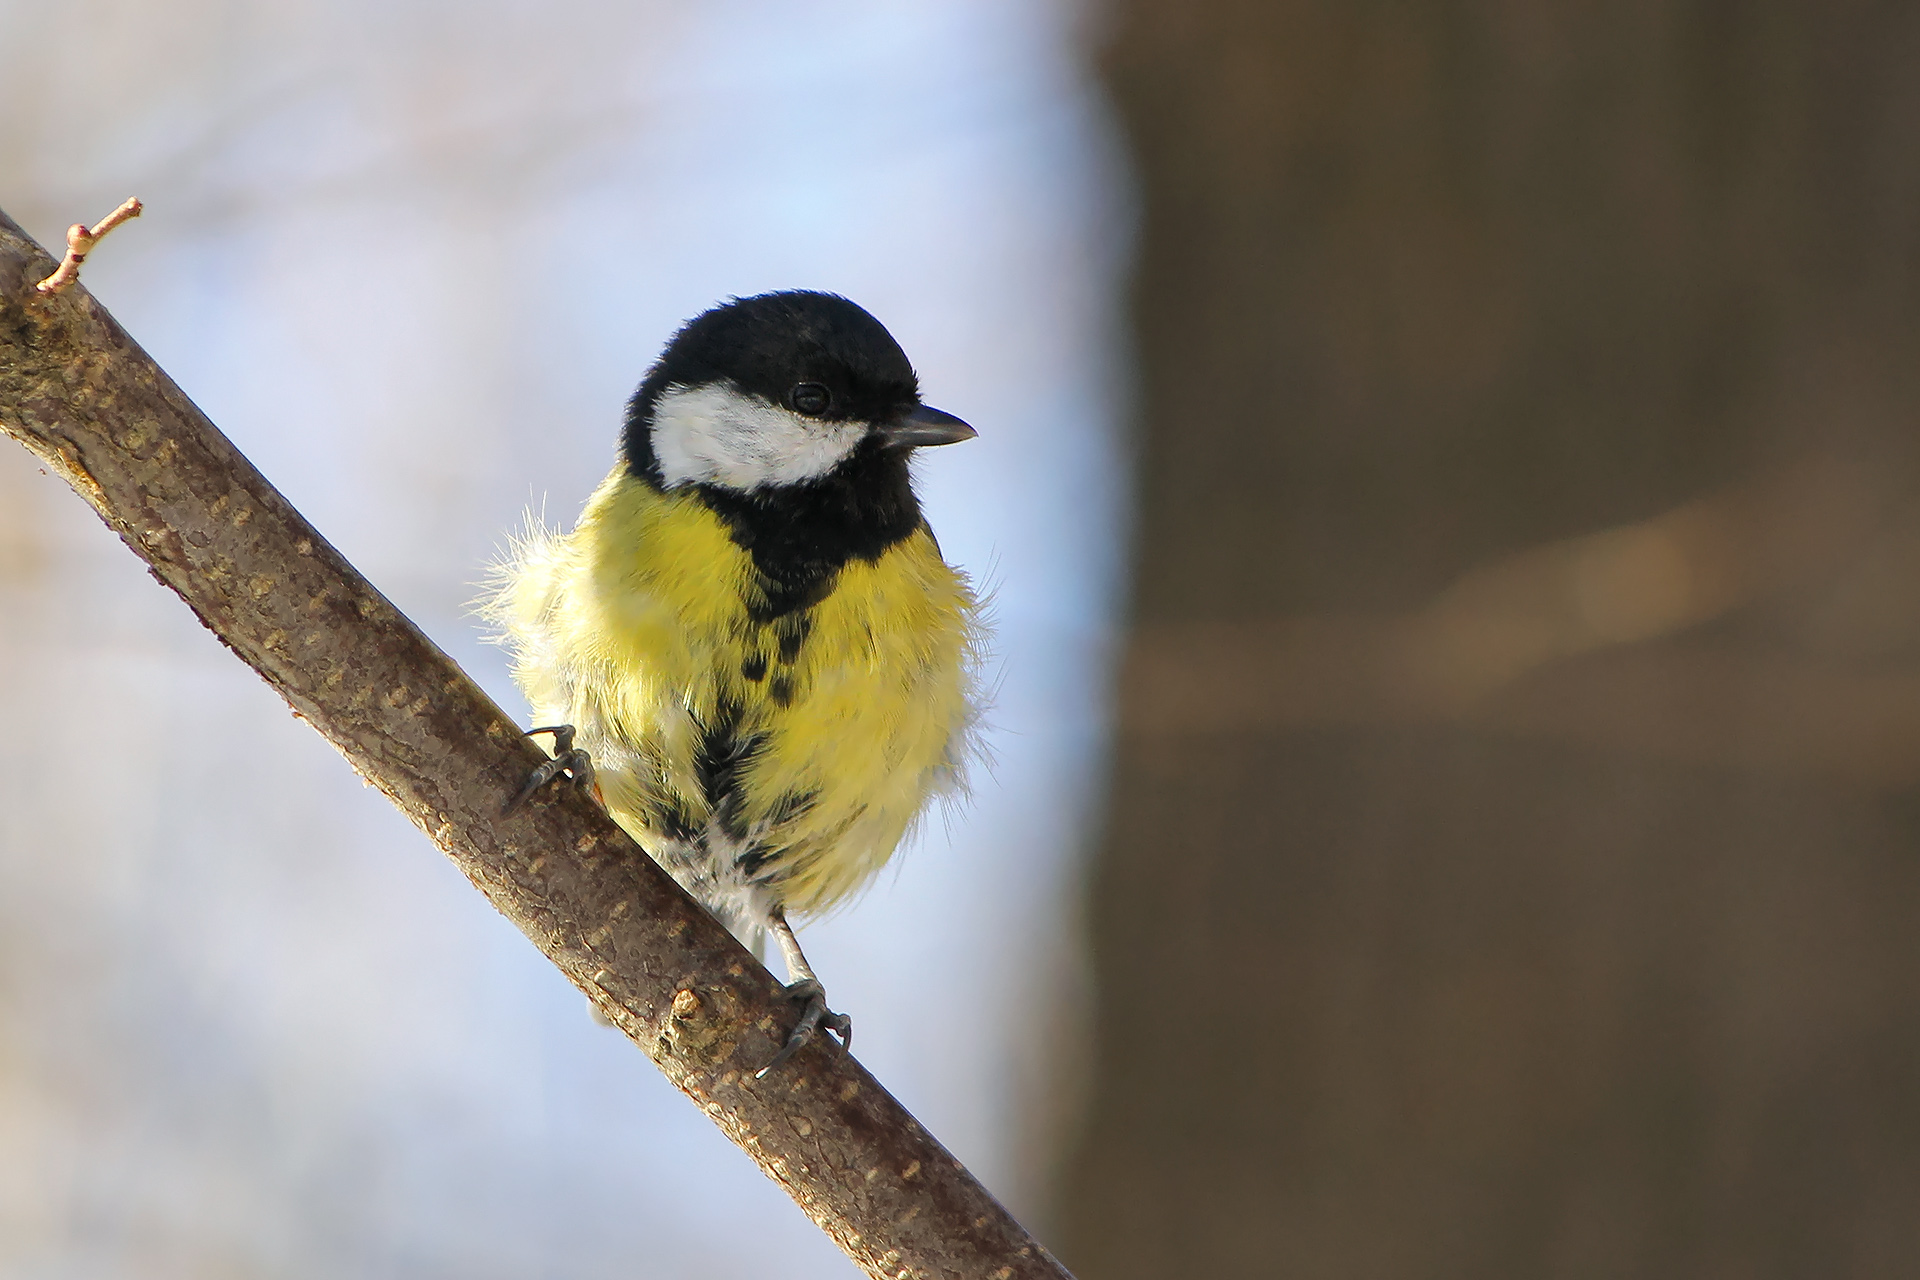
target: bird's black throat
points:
(801, 535)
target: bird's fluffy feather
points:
(764, 761)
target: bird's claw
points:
(813, 1016)
(568, 759)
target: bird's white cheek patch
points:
(716, 434)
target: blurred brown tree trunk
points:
(1422, 286)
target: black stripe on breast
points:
(800, 535)
(790, 632)
(718, 762)
(792, 805)
(673, 821)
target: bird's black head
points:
(791, 416)
(778, 389)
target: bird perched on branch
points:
(750, 645)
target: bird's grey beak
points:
(926, 426)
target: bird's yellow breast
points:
(650, 630)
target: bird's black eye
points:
(810, 398)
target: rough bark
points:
(79, 393)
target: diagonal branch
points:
(79, 393)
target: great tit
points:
(750, 647)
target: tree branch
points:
(78, 392)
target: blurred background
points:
(1512, 865)
(1449, 485)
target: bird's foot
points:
(814, 1015)
(568, 759)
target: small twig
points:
(80, 242)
